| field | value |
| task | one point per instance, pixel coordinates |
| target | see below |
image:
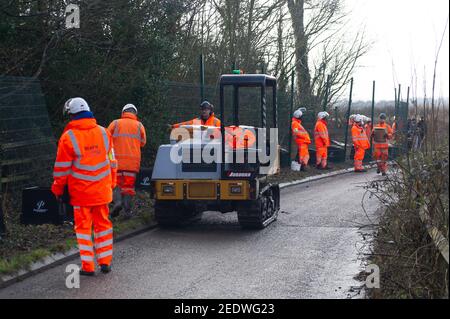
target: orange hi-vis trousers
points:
(303, 154)
(322, 156)
(359, 157)
(85, 218)
(126, 181)
(381, 155)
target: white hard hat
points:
(352, 117)
(358, 118)
(298, 114)
(76, 105)
(129, 106)
(323, 115)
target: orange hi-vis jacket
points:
(360, 139)
(85, 162)
(299, 132)
(239, 138)
(129, 137)
(321, 137)
(211, 121)
(389, 133)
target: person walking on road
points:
(302, 139)
(322, 140)
(360, 143)
(85, 163)
(382, 133)
(129, 137)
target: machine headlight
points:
(168, 189)
(236, 189)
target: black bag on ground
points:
(39, 206)
(143, 179)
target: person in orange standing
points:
(368, 127)
(85, 163)
(360, 143)
(129, 137)
(322, 140)
(207, 117)
(302, 139)
(381, 147)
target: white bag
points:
(295, 166)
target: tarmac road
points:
(311, 251)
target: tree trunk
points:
(296, 9)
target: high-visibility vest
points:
(239, 138)
(321, 137)
(211, 121)
(300, 134)
(359, 137)
(85, 162)
(129, 137)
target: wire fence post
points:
(202, 78)
(291, 110)
(348, 118)
(327, 92)
(372, 114)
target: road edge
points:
(323, 176)
(61, 258)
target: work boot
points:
(117, 202)
(126, 201)
(87, 273)
(105, 269)
(378, 171)
(303, 169)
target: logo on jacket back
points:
(40, 207)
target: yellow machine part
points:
(202, 190)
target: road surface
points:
(311, 251)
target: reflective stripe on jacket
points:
(85, 162)
(298, 131)
(321, 137)
(129, 137)
(211, 121)
(359, 137)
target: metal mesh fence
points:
(27, 144)
(28, 141)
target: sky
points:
(405, 33)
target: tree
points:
(318, 24)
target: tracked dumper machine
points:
(223, 169)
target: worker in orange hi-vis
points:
(368, 127)
(206, 118)
(238, 137)
(360, 143)
(302, 139)
(129, 137)
(322, 140)
(85, 163)
(381, 134)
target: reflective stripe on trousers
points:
(95, 217)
